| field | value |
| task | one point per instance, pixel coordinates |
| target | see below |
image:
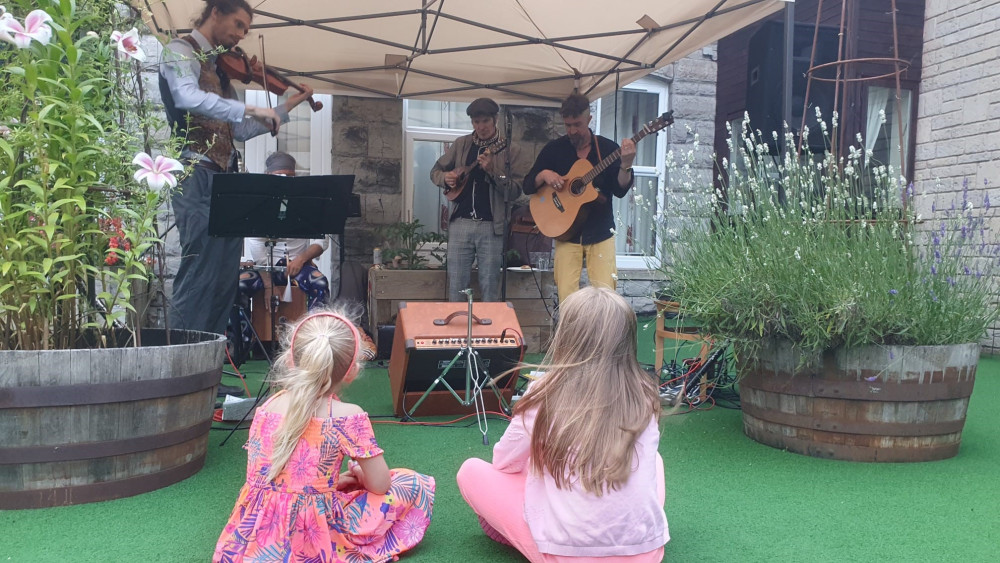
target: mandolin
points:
(559, 214)
(465, 172)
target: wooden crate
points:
(529, 292)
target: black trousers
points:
(206, 281)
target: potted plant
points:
(79, 195)
(856, 321)
(412, 269)
(409, 247)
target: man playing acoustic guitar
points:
(473, 174)
(594, 241)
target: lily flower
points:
(5, 19)
(128, 44)
(35, 28)
(157, 172)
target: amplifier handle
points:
(444, 321)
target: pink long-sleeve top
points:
(574, 522)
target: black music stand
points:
(271, 206)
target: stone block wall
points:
(368, 142)
(958, 130)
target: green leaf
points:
(35, 188)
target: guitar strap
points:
(597, 146)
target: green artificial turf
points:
(728, 498)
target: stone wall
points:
(368, 142)
(958, 133)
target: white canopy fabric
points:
(532, 52)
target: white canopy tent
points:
(531, 52)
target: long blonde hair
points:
(319, 358)
(594, 400)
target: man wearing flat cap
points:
(476, 167)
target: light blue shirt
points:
(182, 71)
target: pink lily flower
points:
(157, 172)
(5, 19)
(35, 28)
(128, 44)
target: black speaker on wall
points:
(765, 56)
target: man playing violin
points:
(477, 166)
(595, 241)
(202, 107)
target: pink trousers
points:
(498, 499)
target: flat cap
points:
(482, 106)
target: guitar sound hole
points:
(576, 188)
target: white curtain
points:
(878, 100)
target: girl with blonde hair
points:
(577, 476)
(296, 504)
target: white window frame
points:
(410, 136)
(650, 85)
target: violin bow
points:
(263, 74)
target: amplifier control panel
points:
(478, 342)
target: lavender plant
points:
(828, 252)
(77, 220)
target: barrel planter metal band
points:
(98, 424)
(872, 403)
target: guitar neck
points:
(611, 158)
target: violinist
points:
(202, 107)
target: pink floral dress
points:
(302, 517)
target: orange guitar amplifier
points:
(429, 336)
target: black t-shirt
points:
(474, 201)
(559, 156)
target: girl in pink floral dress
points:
(296, 504)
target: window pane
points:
(429, 204)
(635, 109)
(885, 148)
(444, 115)
(634, 214)
(293, 138)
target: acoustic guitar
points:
(465, 172)
(561, 213)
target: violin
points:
(238, 66)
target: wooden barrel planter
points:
(87, 425)
(872, 403)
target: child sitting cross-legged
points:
(296, 504)
(576, 476)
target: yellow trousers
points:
(569, 261)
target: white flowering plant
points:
(825, 252)
(79, 192)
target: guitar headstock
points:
(665, 120)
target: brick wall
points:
(958, 114)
